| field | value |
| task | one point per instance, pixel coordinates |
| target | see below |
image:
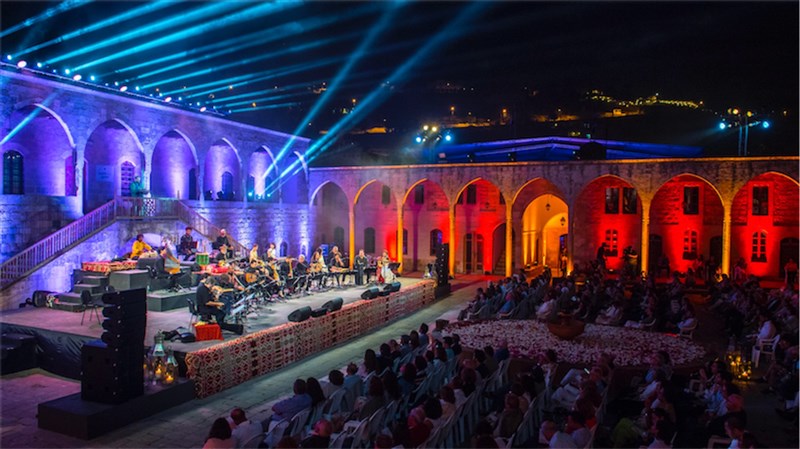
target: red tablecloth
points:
(105, 266)
(208, 332)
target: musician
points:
(301, 273)
(337, 266)
(254, 253)
(272, 252)
(273, 272)
(209, 295)
(318, 268)
(169, 264)
(187, 246)
(224, 254)
(139, 246)
(222, 239)
(360, 264)
(386, 271)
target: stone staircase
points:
(96, 284)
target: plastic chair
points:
(254, 442)
(688, 332)
(335, 403)
(298, 422)
(275, 434)
(87, 302)
(764, 346)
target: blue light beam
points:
(62, 7)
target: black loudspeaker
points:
(394, 286)
(316, 313)
(371, 293)
(333, 305)
(300, 314)
(442, 266)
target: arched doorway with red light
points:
(540, 215)
(426, 223)
(608, 210)
(764, 220)
(686, 213)
(330, 207)
(375, 211)
(479, 209)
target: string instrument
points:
(251, 276)
(275, 274)
(215, 304)
(289, 262)
(172, 265)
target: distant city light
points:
(39, 65)
(765, 124)
(168, 99)
(722, 125)
(203, 109)
(92, 78)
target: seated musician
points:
(212, 300)
(224, 254)
(222, 239)
(272, 252)
(187, 246)
(300, 271)
(337, 265)
(386, 271)
(254, 253)
(273, 272)
(139, 246)
(318, 268)
(360, 264)
(169, 264)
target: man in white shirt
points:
(551, 436)
(245, 429)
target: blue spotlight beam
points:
(132, 14)
(245, 15)
(377, 96)
(214, 9)
(373, 34)
(29, 118)
(51, 12)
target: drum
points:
(202, 259)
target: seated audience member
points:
(314, 389)
(334, 383)
(219, 437)
(510, 418)
(286, 442)
(375, 398)
(550, 436)
(419, 427)
(576, 428)
(243, 428)
(139, 247)
(320, 435)
(289, 407)
(353, 383)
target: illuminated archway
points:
(330, 207)
(376, 208)
(262, 172)
(110, 145)
(535, 203)
(222, 163)
(767, 205)
(479, 209)
(425, 209)
(687, 213)
(608, 209)
(174, 173)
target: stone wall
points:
(26, 219)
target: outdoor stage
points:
(270, 341)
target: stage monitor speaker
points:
(394, 286)
(333, 305)
(126, 296)
(300, 314)
(371, 293)
(316, 313)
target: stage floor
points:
(270, 315)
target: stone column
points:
(400, 237)
(451, 215)
(351, 216)
(644, 249)
(509, 246)
(725, 263)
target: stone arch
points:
(766, 202)
(684, 207)
(111, 144)
(607, 206)
(331, 209)
(222, 161)
(376, 207)
(46, 145)
(295, 186)
(420, 217)
(174, 167)
(477, 214)
(262, 172)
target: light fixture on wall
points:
(563, 221)
(547, 205)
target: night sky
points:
(725, 53)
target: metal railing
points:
(51, 246)
(200, 224)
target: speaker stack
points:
(442, 267)
(112, 369)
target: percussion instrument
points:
(202, 259)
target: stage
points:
(271, 340)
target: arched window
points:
(193, 184)
(386, 195)
(284, 249)
(690, 244)
(436, 241)
(405, 240)
(369, 240)
(759, 247)
(227, 187)
(126, 173)
(612, 243)
(13, 176)
(338, 237)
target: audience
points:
(219, 437)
